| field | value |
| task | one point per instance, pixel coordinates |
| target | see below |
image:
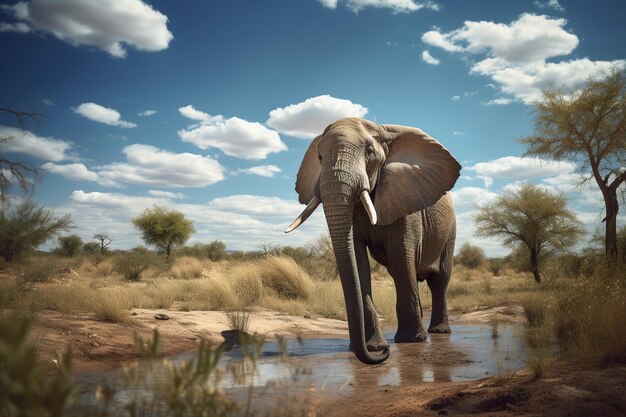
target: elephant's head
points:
(392, 170)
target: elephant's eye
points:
(369, 151)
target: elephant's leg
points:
(438, 284)
(410, 328)
(373, 337)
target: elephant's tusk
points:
(369, 207)
(308, 210)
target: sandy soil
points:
(565, 389)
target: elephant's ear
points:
(309, 173)
(417, 172)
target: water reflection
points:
(326, 365)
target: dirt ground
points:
(564, 390)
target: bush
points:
(26, 226)
(36, 271)
(470, 256)
(285, 277)
(590, 321)
(215, 251)
(69, 245)
(133, 264)
(112, 305)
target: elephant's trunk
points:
(338, 198)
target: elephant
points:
(384, 188)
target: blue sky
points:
(208, 107)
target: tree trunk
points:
(610, 235)
(534, 266)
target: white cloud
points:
(397, 6)
(550, 4)
(167, 194)
(455, 98)
(147, 113)
(500, 101)
(148, 165)
(515, 54)
(233, 136)
(14, 27)
(458, 133)
(515, 167)
(77, 171)
(48, 149)
(471, 196)
(244, 221)
(331, 4)
(101, 114)
(262, 170)
(428, 58)
(309, 118)
(109, 25)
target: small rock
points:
(161, 316)
(95, 344)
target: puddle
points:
(325, 364)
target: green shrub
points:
(133, 264)
(470, 256)
(69, 245)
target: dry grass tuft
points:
(187, 267)
(283, 275)
(112, 305)
(246, 283)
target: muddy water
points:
(325, 367)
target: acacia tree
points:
(69, 245)
(104, 240)
(164, 228)
(588, 127)
(535, 218)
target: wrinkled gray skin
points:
(408, 175)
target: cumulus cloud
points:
(244, 223)
(429, 59)
(515, 55)
(75, 171)
(146, 113)
(515, 167)
(233, 136)
(109, 25)
(262, 170)
(48, 149)
(455, 98)
(101, 114)
(309, 118)
(500, 101)
(397, 6)
(148, 165)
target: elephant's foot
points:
(375, 342)
(439, 328)
(410, 334)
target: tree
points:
(535, 218)
(105, 241)
(69, 245)
(91, 248)
(470, 256)
(588, 127)
(27, 226)
(18, 172)
(164, 228)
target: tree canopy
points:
(587, 127)
(164, 228)
(533, 217)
